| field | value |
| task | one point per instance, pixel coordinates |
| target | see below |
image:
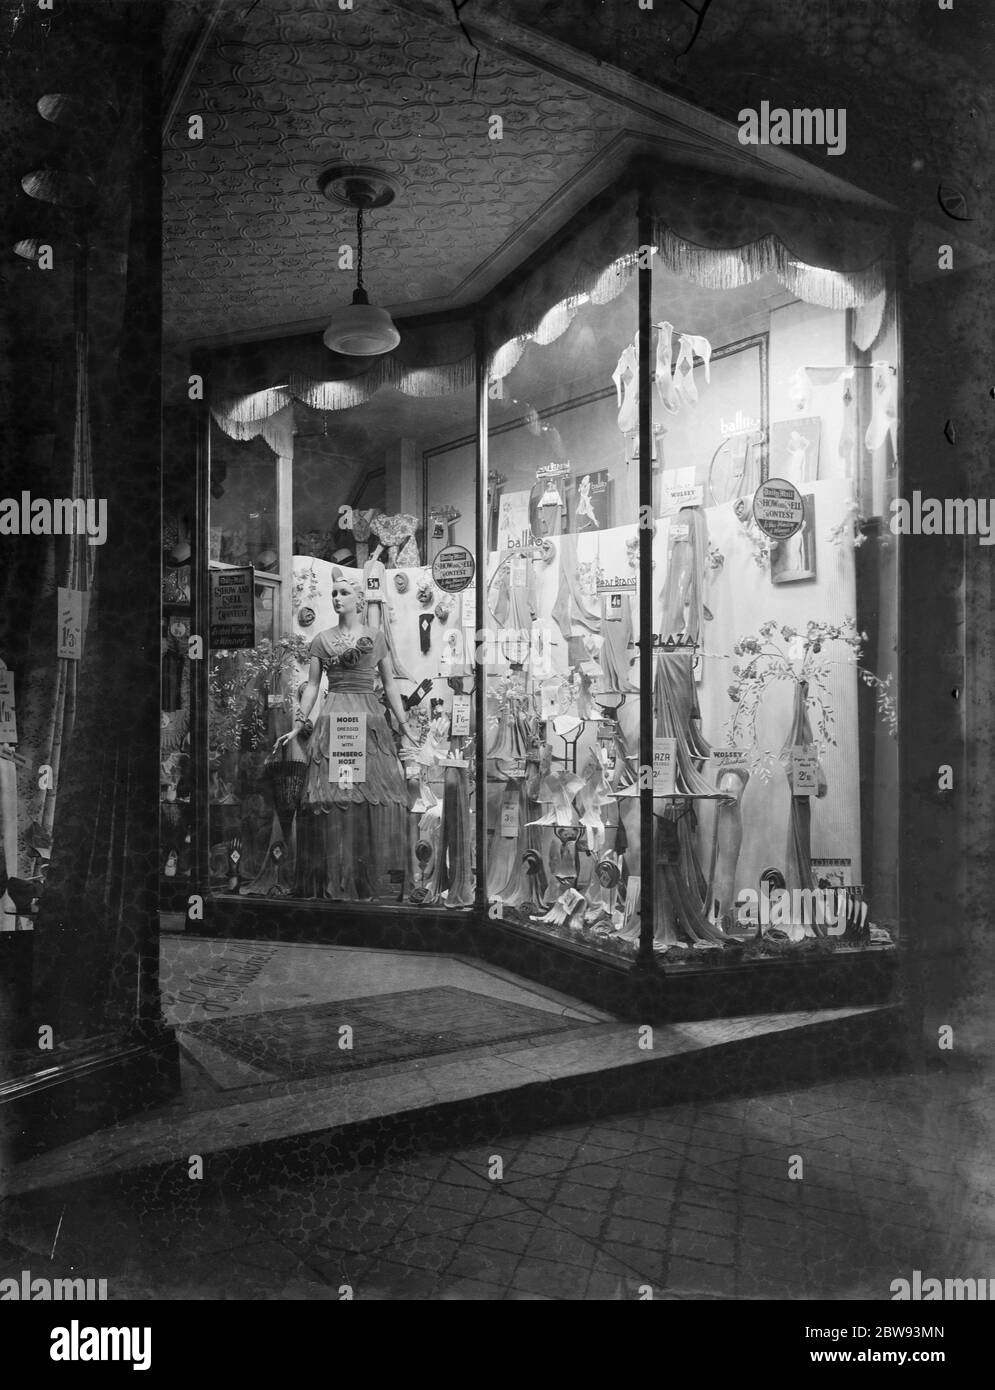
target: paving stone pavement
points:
(692, 1201)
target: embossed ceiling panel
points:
(251, 246)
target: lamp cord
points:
(359, 248)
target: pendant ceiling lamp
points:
(360, 329)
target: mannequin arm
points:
(308, 701)
(310, 693)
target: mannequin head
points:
(347, 595)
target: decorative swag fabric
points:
(253, 389)
(706, 229)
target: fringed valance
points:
(706, 229)
(717, 268)
(604, 286)
(267, 414)
(594, 261)
(436, 360)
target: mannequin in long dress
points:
(361, 825)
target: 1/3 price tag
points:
(460, 726)
(70, 636)
(8, 719)
(347, 749)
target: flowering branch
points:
(785, 654)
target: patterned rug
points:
(302, 1042)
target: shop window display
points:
(563, 612)
(767, 688)
(756, 719)
(342, 739)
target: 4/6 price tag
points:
(460, 726)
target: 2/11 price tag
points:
(804, 771)
(8, 719)
(460, 726)
(510, 820)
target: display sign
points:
(832, 873)
(468, 616)
(69, 642)
(778, 508)
(729, 757)
(453, 569)
(510, 820)
(570, 900)
(804, 771)
(8, 719)
(232, 609)
(460, 724)
(347, 749)
(616, 584)
(664, 765)
(679, 489)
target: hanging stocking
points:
(664, 368)
(727, 838)
(798, 856)
(626, 379)
(684, 372)
(377, 614)
(884, 407)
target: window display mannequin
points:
(362, 833)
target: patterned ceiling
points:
(251, 246)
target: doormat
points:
(302, 1042)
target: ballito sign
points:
(778, 508)
(453, 569)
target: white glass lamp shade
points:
(361, 329)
